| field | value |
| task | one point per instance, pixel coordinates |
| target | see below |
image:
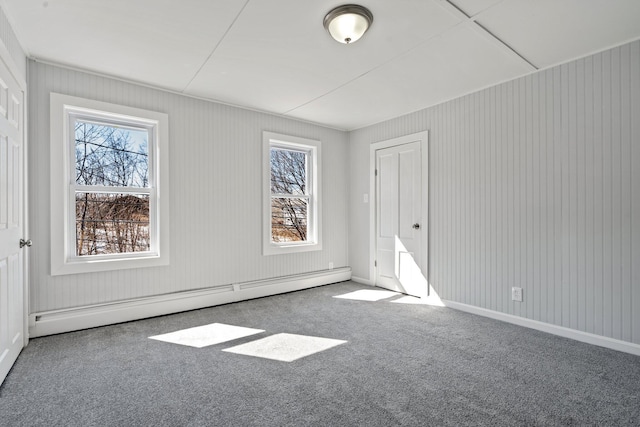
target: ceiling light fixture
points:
(347, 23)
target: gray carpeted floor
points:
(402, 365)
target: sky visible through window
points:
(110, 222)
(111, 156)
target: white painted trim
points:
(5, 57)
(73, 319)
(423, 138)
(313, 149)
(362, 281)
(62, 204)
(585, 337)
(25, 212)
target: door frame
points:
(423, 138)
(6, 57)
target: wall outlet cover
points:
(516, 294)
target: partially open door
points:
(12, 217)
(398, 219)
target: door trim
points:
(423, 138)
(5, 56)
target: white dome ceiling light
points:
(347, 23)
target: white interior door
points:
(398, 219)
(12, 259)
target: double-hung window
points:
(107, 208)
(291, 207)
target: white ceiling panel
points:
(288, 60)
(454, 64)
(276, 56)
(159, 42)
(549, 32)
(473, 7)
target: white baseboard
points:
(73, 319)
(362, 281)
(585, 337)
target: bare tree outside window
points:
(289, 197)
(110, 159)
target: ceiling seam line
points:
(216, 46)
(474, 17)
(451, 9)
(330, 92)
(506, 45)
(175, 91)
(406, 52)
(473, 21)
(454, 9)
(464, 20)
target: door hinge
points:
(376, 172)
(375, 263)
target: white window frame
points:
(64, 111)
(312, 148)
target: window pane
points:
(288, 172)
(111, 223)
(111, 156)
(289, 219)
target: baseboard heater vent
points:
(73, 319)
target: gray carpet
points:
(403, 365)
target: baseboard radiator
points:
(73, 319)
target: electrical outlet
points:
(330, 266)
(516, 294)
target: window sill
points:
(64, 110)
(78, 266)
(271, 249)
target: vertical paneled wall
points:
(533, 183)
(10, 41)
(215, 189)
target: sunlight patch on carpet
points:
(407, 299)
(368, 295)
(430, 300)
(285, 347)
(203, 336)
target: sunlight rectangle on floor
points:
(368, 295)
(432, 300)
(206, 335)
(285, 347)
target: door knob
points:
(416, 226)
(26, 243)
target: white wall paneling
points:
(533, 183)
(9, 42)
(215, 174)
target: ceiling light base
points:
(348, 23)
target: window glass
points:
(111, 156)
(289, 219)
(289, 214)
(288, 171)
(292, 189)
(110, 223)
(108, 165)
